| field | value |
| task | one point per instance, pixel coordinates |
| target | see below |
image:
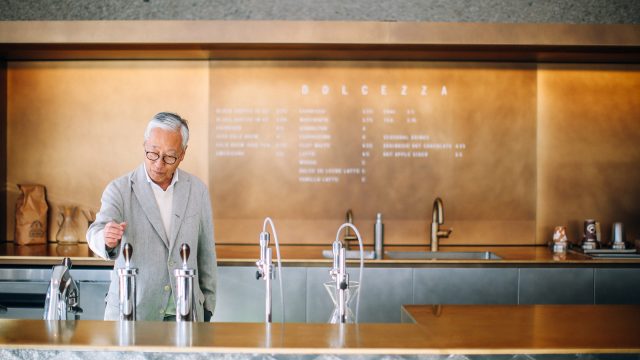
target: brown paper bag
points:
(31, 215)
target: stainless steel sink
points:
(442, 255)
(612, 253)
(616, 256)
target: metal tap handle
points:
(336, 258)
(184, 254)
(127, 252)
(66, 262)
(265, 257)
(264, 245)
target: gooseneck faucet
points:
(63, 294)
(349, 237)
(437, 219)
(266, 268)
(265, 271)
(185, 301)
(127, 285)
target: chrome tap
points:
(341, 277)
(265, 271)
(127, 285)
(63, 294)
(185, 301)
(348, 235)
(437, 219)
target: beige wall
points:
(73, 126)
(588, 148)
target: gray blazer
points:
(130, 198)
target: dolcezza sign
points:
(364, 90)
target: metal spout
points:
(63, 294)
(348, 235)
(437, 219)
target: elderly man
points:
(156, 208)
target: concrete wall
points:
(492, 11)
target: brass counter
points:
(305, 255)
(447, 329)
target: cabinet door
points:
(556, 286)
(23, 299)
(465, 286)
(241, 298)
(383, 292)
(617, 286)
(92, 299)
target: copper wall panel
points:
(588, 152)
(73, 126)
(3, 145)
(544, 145)
(303, 142)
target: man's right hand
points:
(113, 233)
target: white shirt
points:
(164, 199)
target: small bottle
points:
(378, 236)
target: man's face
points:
(167, 144)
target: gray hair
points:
(171, 122)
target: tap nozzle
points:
(438, 212)
(437, 219)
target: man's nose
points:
(158, 163)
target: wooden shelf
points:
(326, 40)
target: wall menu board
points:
(303, 142)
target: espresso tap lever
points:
(127, 285)
(185, 300)
(127, 252)
(185, 251)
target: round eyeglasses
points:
(168, 159)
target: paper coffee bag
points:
(31, 215)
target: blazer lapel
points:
(144, 194)
(180, 201)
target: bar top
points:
(438, 329)
(309, 255)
